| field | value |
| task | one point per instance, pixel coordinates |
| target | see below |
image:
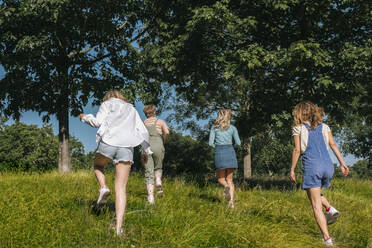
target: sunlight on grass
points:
(54, 210)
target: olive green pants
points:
(155, 160)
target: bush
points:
(28, 148)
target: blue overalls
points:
(317, 166)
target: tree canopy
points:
(260, 58)
(57, 54)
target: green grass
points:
(53, 210)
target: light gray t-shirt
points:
(302, 131)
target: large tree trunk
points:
(64, 151)
(247, 159)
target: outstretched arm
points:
(295, 155)
(95, 121)
(336, 151)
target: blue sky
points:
(86, 134)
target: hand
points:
(345, 170)
(292, 177)
(144, 159)
(81, 116)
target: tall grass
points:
(53, 210)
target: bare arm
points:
(295, 155)
(165, 130)
(336, 151)
(165, 137)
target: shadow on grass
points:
(260, 182)
(205, 197)
(267, 183)
(102, 208)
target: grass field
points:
(53, 210)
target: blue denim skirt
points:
(225, 157)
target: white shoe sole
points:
(103, 198)
(332, 219)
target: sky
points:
(87, 134)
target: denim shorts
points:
(117, 154)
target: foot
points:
(103, 194)
(226, 193)
(231, 205)
(120, 232)
(159, 190)
(332, 215)
(328, 242)
(150, 199)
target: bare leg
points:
(121, 179)
(221, 175)
(229, 179)
(325, 202)
(158, 175)
(100, 162)
(316, 202)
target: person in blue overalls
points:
(312, 138)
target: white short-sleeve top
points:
(302, 131)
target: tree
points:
(260, 58)
(29, 148)
(185, 155)
(362, 169)
(57, 54)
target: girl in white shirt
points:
(120, 129)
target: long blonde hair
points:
(114, 94)
(223, 119)
(308, 112)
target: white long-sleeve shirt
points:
(119, 124)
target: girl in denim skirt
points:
(221, 135)
(312, 139)
(120, 128)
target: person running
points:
(159, 133)
(312, 139)
(220, 137)
(120, 129)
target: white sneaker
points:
(103, 194)
(150, 199)
(226, 193)
(328, 242)
(332, 215)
